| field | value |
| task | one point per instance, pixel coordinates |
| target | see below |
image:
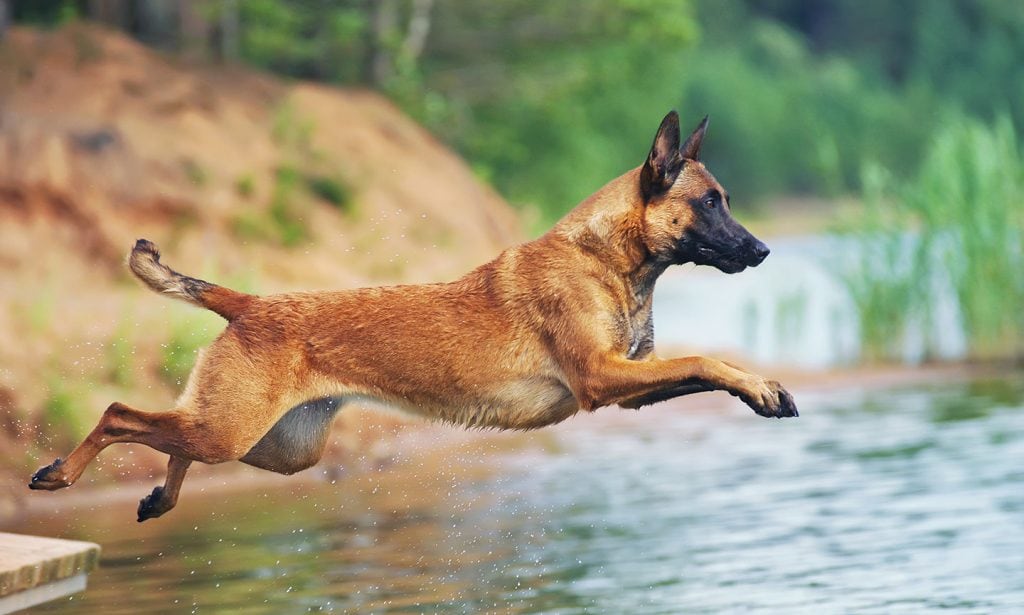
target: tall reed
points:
(956, 228)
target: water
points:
(887, 501)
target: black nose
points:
(761, 252)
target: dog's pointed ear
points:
(664, 162)
(691, 149)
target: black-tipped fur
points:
(144, 261)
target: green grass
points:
(245, 186)
(959, 223)
(291, 130)
(195, 173)
(189, 333)
(289, 227)
(120, 359)
(62, 415)
(281, 222)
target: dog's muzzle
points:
(757, 253)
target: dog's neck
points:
(610, 225)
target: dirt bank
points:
(241, 178)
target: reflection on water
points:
(886, 502)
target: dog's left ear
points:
(691, 149)
(665, 161)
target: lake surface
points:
(888, 501)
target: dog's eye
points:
(709, 202)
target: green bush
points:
(289, 227)
(195, 172)
(784, 121)
(281, 221)
(245, 186)
(331, 189)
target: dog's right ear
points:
(664, 162)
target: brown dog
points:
(547, 329)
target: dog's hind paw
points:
(50, 478)
(154, 505)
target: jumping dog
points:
(547, 329)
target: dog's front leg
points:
(632, 384)
(639, 401)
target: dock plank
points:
(31, 564)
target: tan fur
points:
(548, 328)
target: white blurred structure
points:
(793, 309)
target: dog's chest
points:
(637, 329)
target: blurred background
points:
(274, 146)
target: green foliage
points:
(882, 279)
(119, 359)
(813, 121)
(195, 172)
(291, 130)
(799, 92)
(45, 12)
(189, 333)
(557, 98)
(62, 416)
(333, 190)
(960, 222)
(549, 100)
(177, 357)
(289, 227)
(305, 38)
(245, 186)
(970, 199)
(281, 222)
(251, 225)
(38, 311)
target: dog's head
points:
(686, 211)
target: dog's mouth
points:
(728, 262)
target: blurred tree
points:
(552, 99)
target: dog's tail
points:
(144, 261)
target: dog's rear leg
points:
(164, 498)
(119, 423)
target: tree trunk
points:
(381, 44)
(195, 31)
(419, 28)
(156, 23)
(5, 18)
(229, 45)
(115, 13)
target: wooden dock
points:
(34, 570)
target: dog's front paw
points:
(768, 398)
